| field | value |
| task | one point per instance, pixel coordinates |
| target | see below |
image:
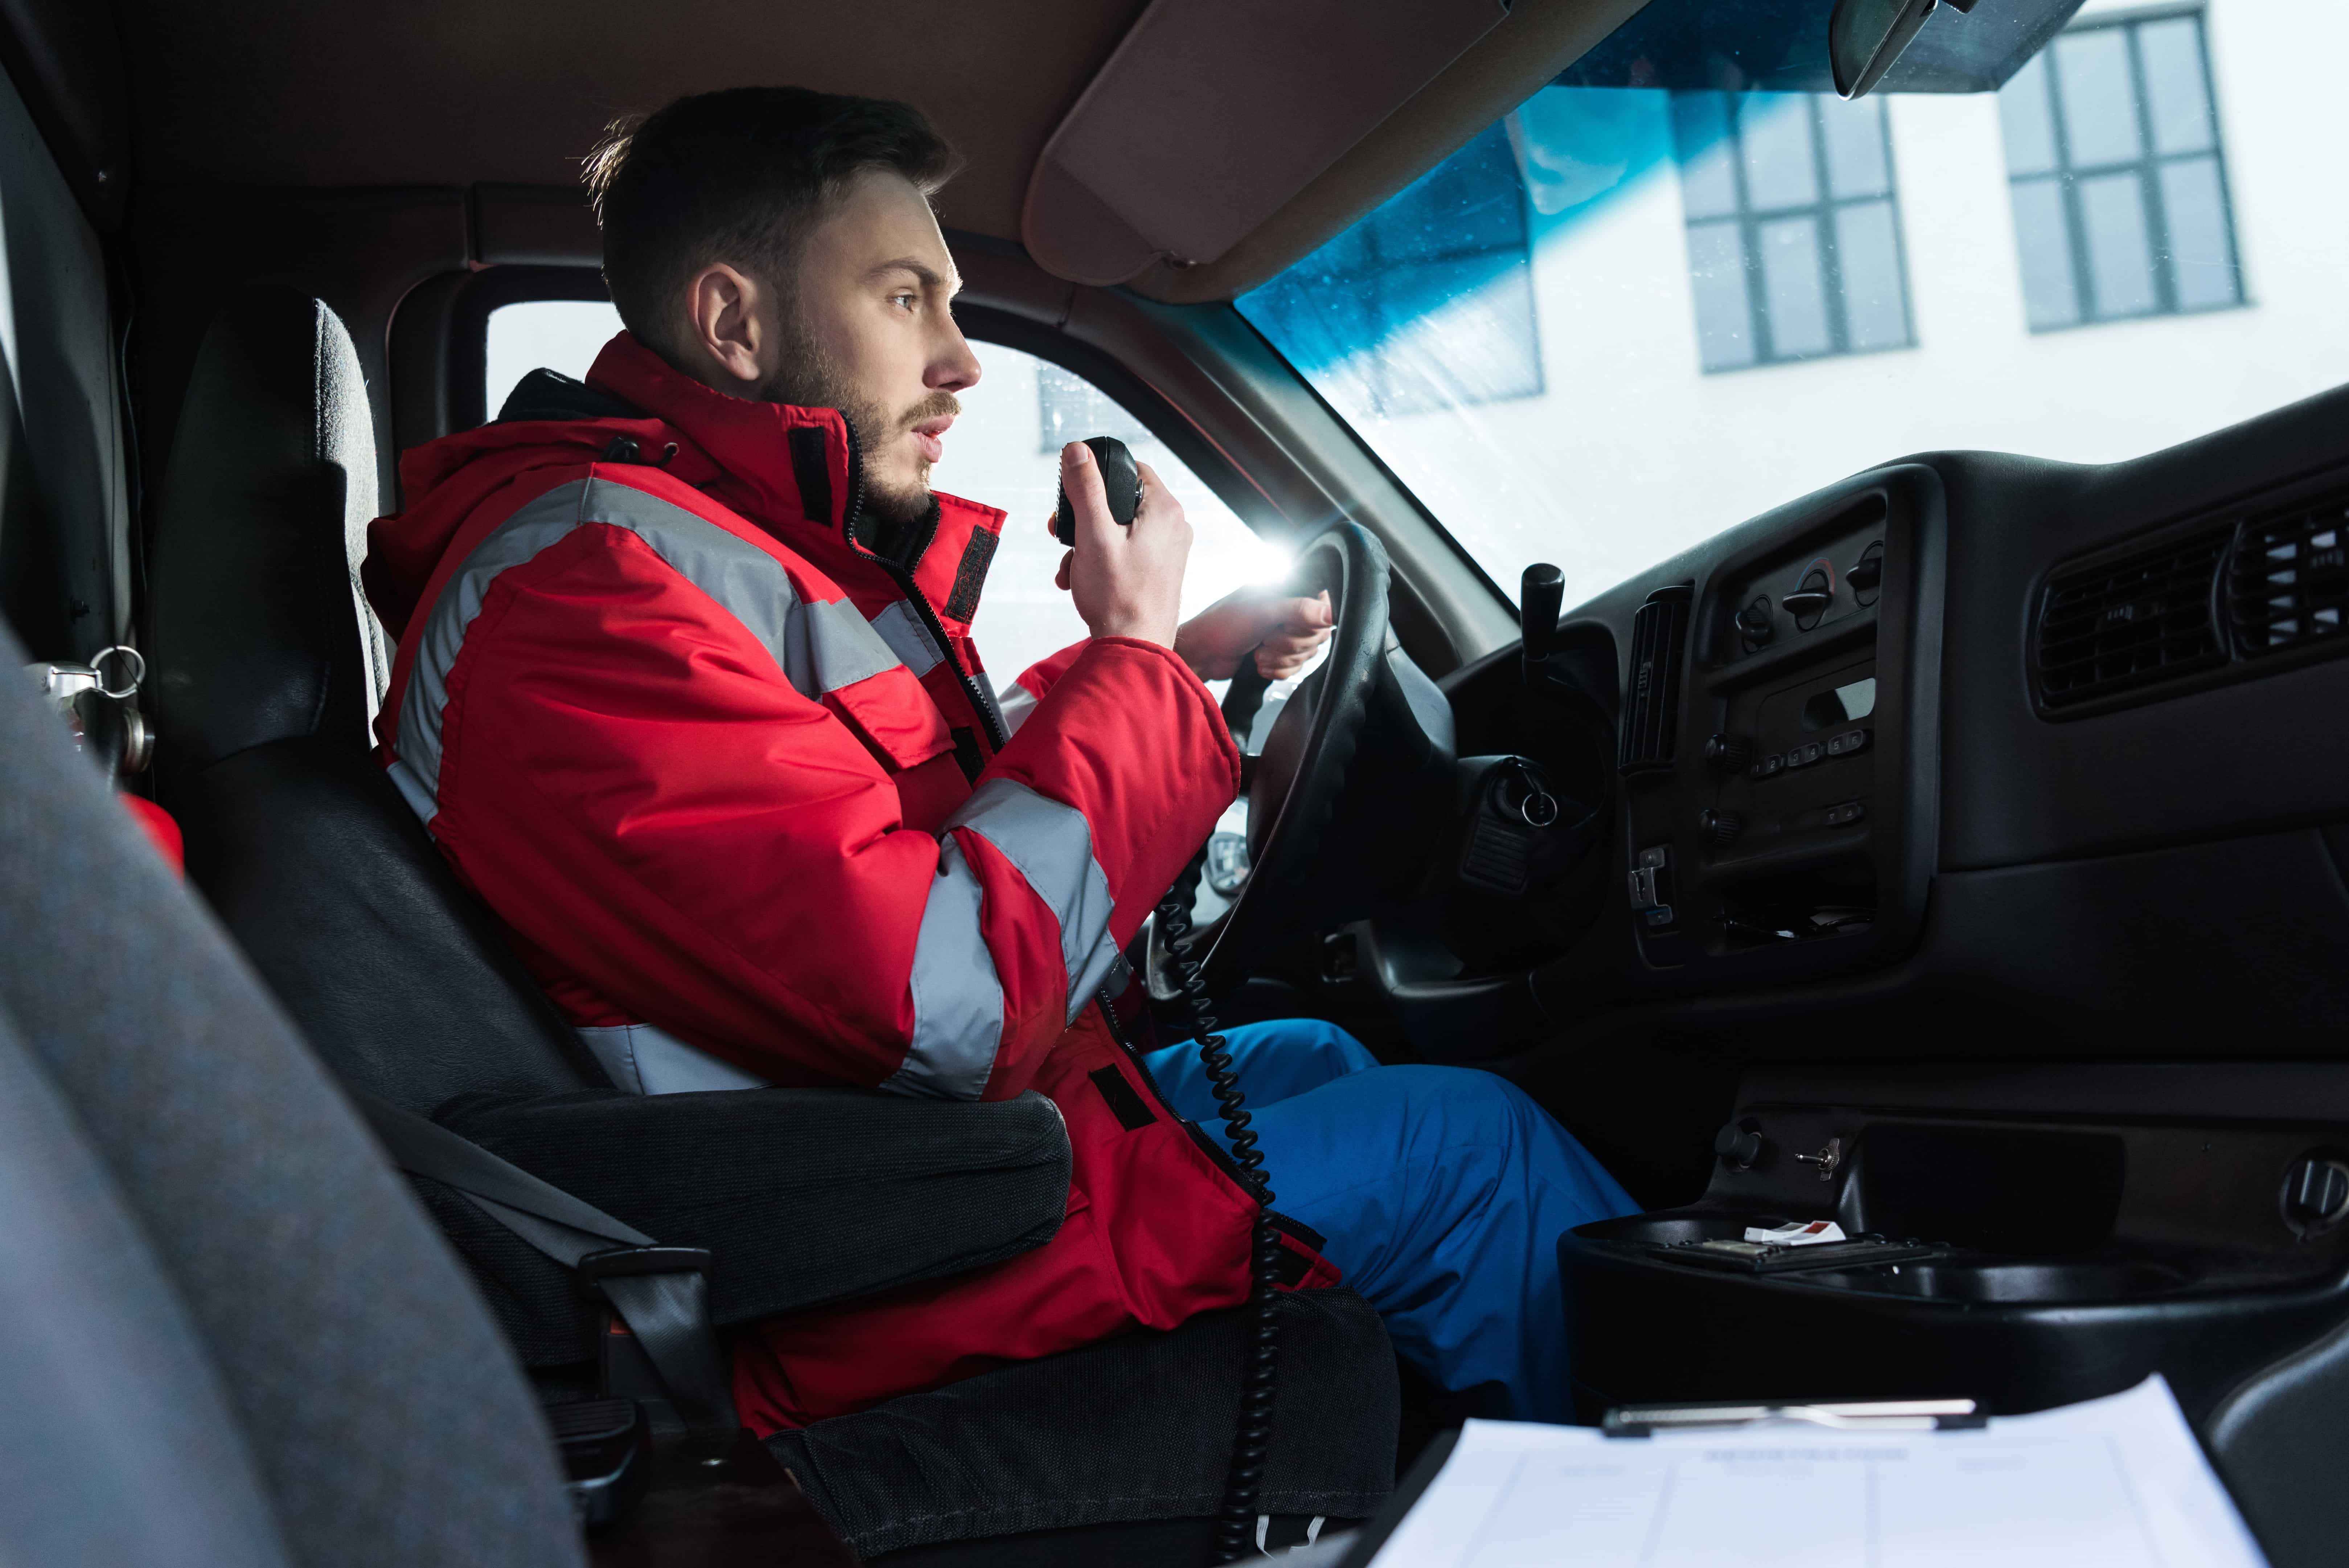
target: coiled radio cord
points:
(1252, 1443)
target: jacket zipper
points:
(995, 737)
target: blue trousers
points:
(1442, 1192)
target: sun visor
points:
(1212, 113)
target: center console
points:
(2021, 1249)
(1779, 744)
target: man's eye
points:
(903, 301)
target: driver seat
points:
(268, 666)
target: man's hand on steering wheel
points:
(1284, 631)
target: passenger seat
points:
(232, 1339)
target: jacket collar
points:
(779, 464)
(790, 469)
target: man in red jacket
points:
(685, 690)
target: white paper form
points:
(2113, 1483)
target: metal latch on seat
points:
(661, 1350)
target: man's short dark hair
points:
(740, 177)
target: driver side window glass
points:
(563, 335)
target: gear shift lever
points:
(1540, 595)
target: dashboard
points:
(1968, 755)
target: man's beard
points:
(808, 377)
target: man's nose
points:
(953, 366)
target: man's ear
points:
(724, 324)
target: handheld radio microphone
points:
(1120, 478)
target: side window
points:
(2120, 187)
(562, 335)
(1793, 226)
(1003, 452)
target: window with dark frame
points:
(1794, 227)
(2120, 184)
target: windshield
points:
(1623, 319)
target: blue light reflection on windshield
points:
(1466, 229)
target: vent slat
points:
(2131, 623)
(1651, 706)
(2290, 584)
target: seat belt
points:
(662, 1294)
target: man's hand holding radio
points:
(1127, 581)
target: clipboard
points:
(2121, 1478)
(1645, 1420)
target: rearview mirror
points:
(1865, 36)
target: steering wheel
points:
(1300, 780)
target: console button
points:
(2315, 1193)
(1647, 888)
(1850, 811)
(1804, 756)
(1849, 743)
(1772, 765)
(1650, 891)
(1809, 601)
(1866, 575)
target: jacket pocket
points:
(893, 716)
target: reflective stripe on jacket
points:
(721, 756)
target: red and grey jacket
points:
(719, 752)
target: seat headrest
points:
(259, 628)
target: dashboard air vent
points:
(2290, 584)
(2119, 624)
(1652, 708)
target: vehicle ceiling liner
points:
(449, 95)
(289, 94)
(1781, 46)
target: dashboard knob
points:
(1811, 600)
(1729, 752)
(1753, 621)
(1721, 826)
(1866, 572)
(1737, 1147)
